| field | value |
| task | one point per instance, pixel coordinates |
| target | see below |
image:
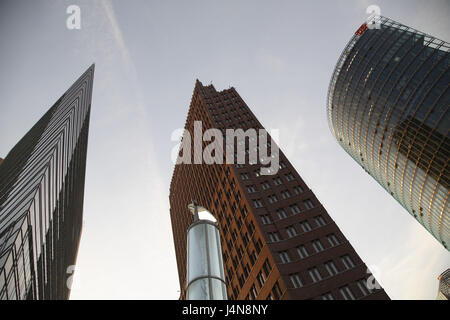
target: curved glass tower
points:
(387, 106)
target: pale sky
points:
(279, 55)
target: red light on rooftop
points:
(361, 29)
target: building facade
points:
(387, 106)
(278, 241)
(41, 199)
(444, 286)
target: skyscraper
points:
(41, 199)
(278, 241)
(387, 106)
(444, 285)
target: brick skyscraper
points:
(278, 241)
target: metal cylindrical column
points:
(205, 273)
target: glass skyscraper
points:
(387, 106)
(41, 199)
(444, 286)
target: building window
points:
(282, 165)
(333, 240)
(266, 219)
(272, 199)
(295, 209)
(281, 214)
(347, 262)
(265, 185)
(298, 190)
(331, 268)
(285, 194)
(296, 280)
(253, 292)
(308, 204)
(261, 279)
(276, 291)
(258, 203)
(251, 189)
(277, 181)
(266, 268)
(305, 226)
(346, 293)
(315, 274)
(284, 256)
(289, 177)
(302, 252)
(291, 231)
(327, 296)
(244, 176)
(274, 236)
(320, 222)
(362, 285)
(317, 245)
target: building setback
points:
(388, 107)
(278, 241)
(41, 199)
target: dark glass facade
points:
(278, 241)
(387, 106)
(41, 199)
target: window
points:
(265, 185)
(298, 190)
(289, 177)
(302, 252)
(274, 236)
(266, 268)
(295, 209)
(314, 274)
(317, 245)
(331, 268)
(362, 285)
(320, 222)
(244, 176)
(257, 173)
(285, 194)
(333, 240)
(272, 199)
(261, 279)
(244, 211)
(284, 256)
(281, 214)
(258, 203)
(282, 165)
(296, 281)
(308, 204)
(327, 296)
(276, 291)
(291, 231)
(251, 189)
(347, 262)
(277, 181)
(305, 226)
(266, 219)
(346, 293)
(253, 292)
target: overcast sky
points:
(279, 55)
